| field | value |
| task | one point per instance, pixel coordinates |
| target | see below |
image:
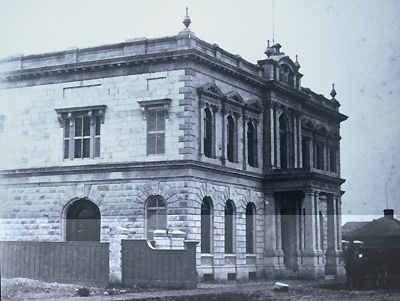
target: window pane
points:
(161, 219)
(97, 126)
(97, 147)
(160, 120)
(78, 148)
(160, 143)
(151, 121)
(66, 149)
(151, 143)
(152, 203)
(66, 128)
(78, 127)
(86, 126)
(86, 148)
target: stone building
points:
(173, 133)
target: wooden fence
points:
(84, 263)
(145, 266)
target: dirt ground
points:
(27, 289)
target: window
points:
(229, 226)
(83, 221)
(157, 111)
(208, 133)
(321, 230)
(332, 159)
(319, 156)
(305, 152)
(81, 131)
(250, 210)
(231, 147)
(251, 144)
(156, 215)
(155, 132)
(283, 142)
(206, 227)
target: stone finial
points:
(269, 50)
(186, 21)
(297, 62)
(333, 92)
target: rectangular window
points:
(81, 131)
(155, 132)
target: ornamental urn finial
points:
(186, 21)
(297, 62)
(333, 92)
(268, 52)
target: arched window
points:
(319, 156)
(206, 225)
(83, 221)
(208, 133)
(332, 159)
(229, 226)
(250, 233)
(283, 142)
(305, 153)
(251, 145)
(156, 215)
(230, 147)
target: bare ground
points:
(27, 289)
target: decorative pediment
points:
(211, 90)
(234, 98)
(307, 124)
(323, 131)
(254, 105)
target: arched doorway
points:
(83, 221)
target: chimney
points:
(388, 213)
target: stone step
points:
(330, 277)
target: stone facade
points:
(229, 131)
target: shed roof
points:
(382, 227)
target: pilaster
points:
(273, 256)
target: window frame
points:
(68, 117)
(149, 107)
(250, 233)
(157, 209)
(230, 237)
(252, 144)
(206, 220)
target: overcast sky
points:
(352, 43)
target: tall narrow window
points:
(332, 159)
(208, 133)
(82, 137)
(66, 138)
(305, 152)
(206, 216)
(251, 145)
(155, 132)
(283, 142)
(229, 226)
(250, 212)
(230, 148)
(83, 221)
(156, 216)
(81, 131)
(319, 156)
(321, 230)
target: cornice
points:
(129, 167)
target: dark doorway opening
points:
(83, 221)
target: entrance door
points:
(288, 234)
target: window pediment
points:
(156, 104)
(97, 110)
